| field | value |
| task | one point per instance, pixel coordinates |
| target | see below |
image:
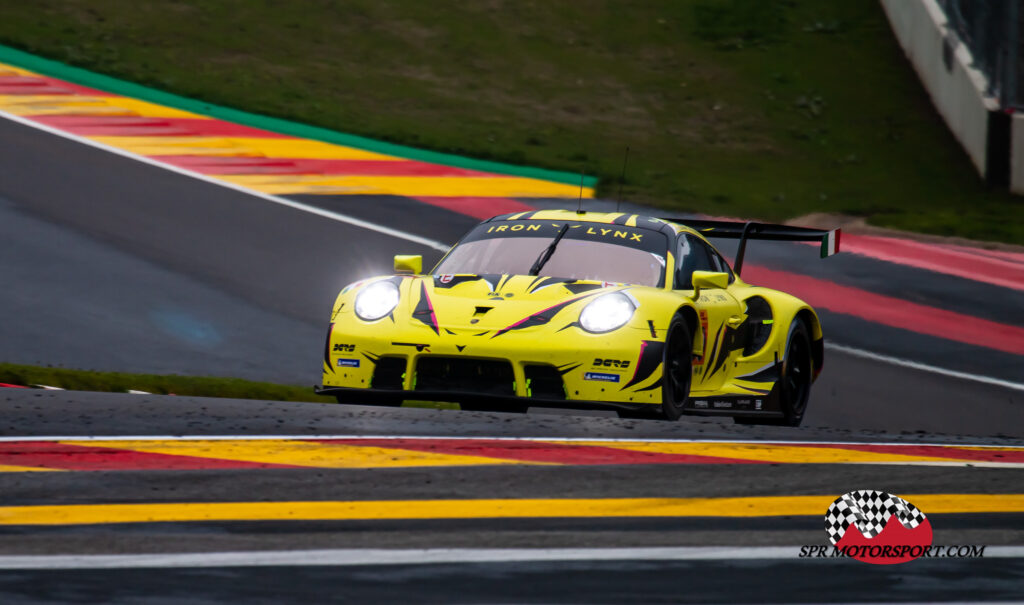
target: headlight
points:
(606, 313)
(376, 300)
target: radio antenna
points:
(622, 178)
(579, 204)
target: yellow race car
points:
(580, 309)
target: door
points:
(719, 314)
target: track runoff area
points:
(499, 511)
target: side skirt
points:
(766, 406)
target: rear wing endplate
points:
(744, 231)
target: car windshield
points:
(591, 251)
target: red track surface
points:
(893, 312)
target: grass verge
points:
(196, 386)
(729, 107)
(120, 382)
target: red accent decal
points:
(430, 305)
(528, 317)
(636, 366)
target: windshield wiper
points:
(545, 256)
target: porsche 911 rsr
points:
(581, 310)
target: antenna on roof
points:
(622, 178)
(579, 205)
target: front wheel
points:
(677, 369)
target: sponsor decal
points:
(757, 404)
(601, 377)
(882, 529)
(700, 403)
(340, 348)
(611, 363)
(520, 227)
(600, 231)
(721, 404)
(447, 278)
(863, 522)
(348, 363)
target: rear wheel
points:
(795, 383)
(797, 375)
(677, 369)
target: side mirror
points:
(409, 264)
(708, 280)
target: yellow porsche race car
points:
(582, 310)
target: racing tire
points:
(795, 382)
(677, 369)
(676, 354)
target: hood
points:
(478, 303)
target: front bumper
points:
(537, 366)
(370, 396)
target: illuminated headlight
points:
(376, 300)
(606, 313)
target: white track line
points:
(376, 556)
(334, 216)
(906, 363)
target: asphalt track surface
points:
(113, 265)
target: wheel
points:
(797, 374)
(677, 369)
(795, 381)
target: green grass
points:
(120, 382)
(729, 107)
(196, 386)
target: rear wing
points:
(744, 231)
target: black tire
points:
(677, 369)
(795, 381)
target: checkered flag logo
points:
(870, 511)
